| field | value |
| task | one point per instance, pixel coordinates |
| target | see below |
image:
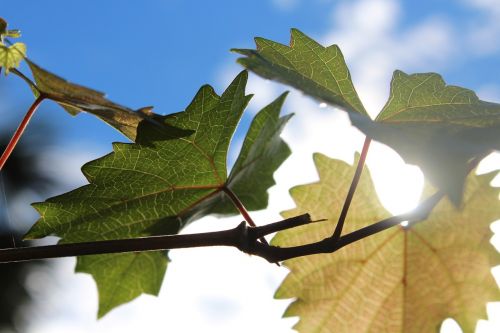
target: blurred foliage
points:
(19, 175)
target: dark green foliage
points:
(162, 182)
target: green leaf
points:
(318, 71)
(162, 182)
(400, 280)
(75, 98)
(11, 56)
(262, 152)
(438, 127)
(138, 273)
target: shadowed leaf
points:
(75, 98)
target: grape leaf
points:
(11, 56)
(262, 152)
(75, 98)
(437, 127)
(400, 280)
(120, 278)
(161, 183)
(306, 65)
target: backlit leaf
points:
(400, 280)
(306, 65)
(11, 56)
(437, 127)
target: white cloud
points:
(285, 5)
(489, 92)
(483, 35)
(264, 91)
(205, 290)
(374, 47)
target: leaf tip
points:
(296, 32)
(283, 96)
(236, 50)
(101, 312)
(319, 158)
(259, 40)
(243, 75)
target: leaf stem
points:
(239, 205)
(352, 189)
(20, 130)
(241, 208)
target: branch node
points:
(244, 240)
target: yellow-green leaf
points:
(11, 56)
(122, 277)
(401, 280)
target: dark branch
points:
(241, 237)
(245, 238)
(331, 244)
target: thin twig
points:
(331, 244)
(352, 188)
(239, 205)
(20, 130)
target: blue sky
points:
(159, 52)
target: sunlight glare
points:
(398, 184)
(450, 326)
